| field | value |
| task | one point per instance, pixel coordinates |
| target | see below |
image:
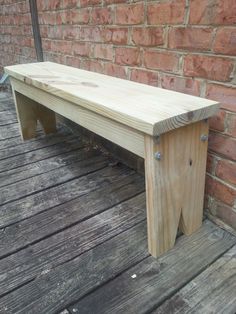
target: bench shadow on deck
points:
(73, 236)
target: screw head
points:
(158, 156)
(204, 137)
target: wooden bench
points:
(168, 129)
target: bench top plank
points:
(146, 108)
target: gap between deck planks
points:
(81, 235)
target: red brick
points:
(92, 65)
(226, 214)
(114, 1)
(220, 191)
(101, 16)
(130, 14)
(225, 95)
(144, 76)
(225, 41)
(180, 84)
(61, 46)
(166, 61)
(212, 12)
(231, 125)
(151, 36)
(170, 12)
(73, 61)
(80, 16)
(226, 170)
(87, 3)
(117, 36)
(115, 70)
(210, 164)
(127, 56)
(103, 52)
(190, 38)
(217, 122)
(214, 68)
(81, 49)
(90, 33)
(68, 4)
(222, 145)
(69, 32)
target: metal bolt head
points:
(204, 137)
(158, 156)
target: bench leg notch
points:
(29, 113)
(175, 178)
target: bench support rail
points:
(29, 112)
(175, 162)
(175, 165)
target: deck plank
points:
(73, 232)
(52, 178)
(45, 166)
(213, 291)
(35, 228)
(9, 131)
(158, 279)
(28, 206)
(40, 154)
(28, 146)
(7, 117)
(51, 291)
(57, 249)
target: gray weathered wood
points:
(9, 131)
(7, 105)
(52, 290)
(158, 279)
(213, 291)
(7, 117)
(47, 254)
(45, 165)
(53, 220)
(52, 178)
(28, 206)
(17, 141)
(27, 146)
(42, 153)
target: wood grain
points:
(15, 149)
(53, 220)
(17, 161)
(29, 113)
(213, 291)
(156, 280)
(174, 184)
(145, 108)
(118, 133)
(31, 205)
(71, 242)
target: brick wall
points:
(16, 41)
(184, 45)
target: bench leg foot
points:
(29, 112)
(175, 165)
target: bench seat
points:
(168, 129)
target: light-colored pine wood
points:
(148, 109)
(174, 184)
(142, 119)
(118, 133)
(29, 112)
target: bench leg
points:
(175, 165)
(29, 112)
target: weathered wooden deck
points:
(73, 236)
